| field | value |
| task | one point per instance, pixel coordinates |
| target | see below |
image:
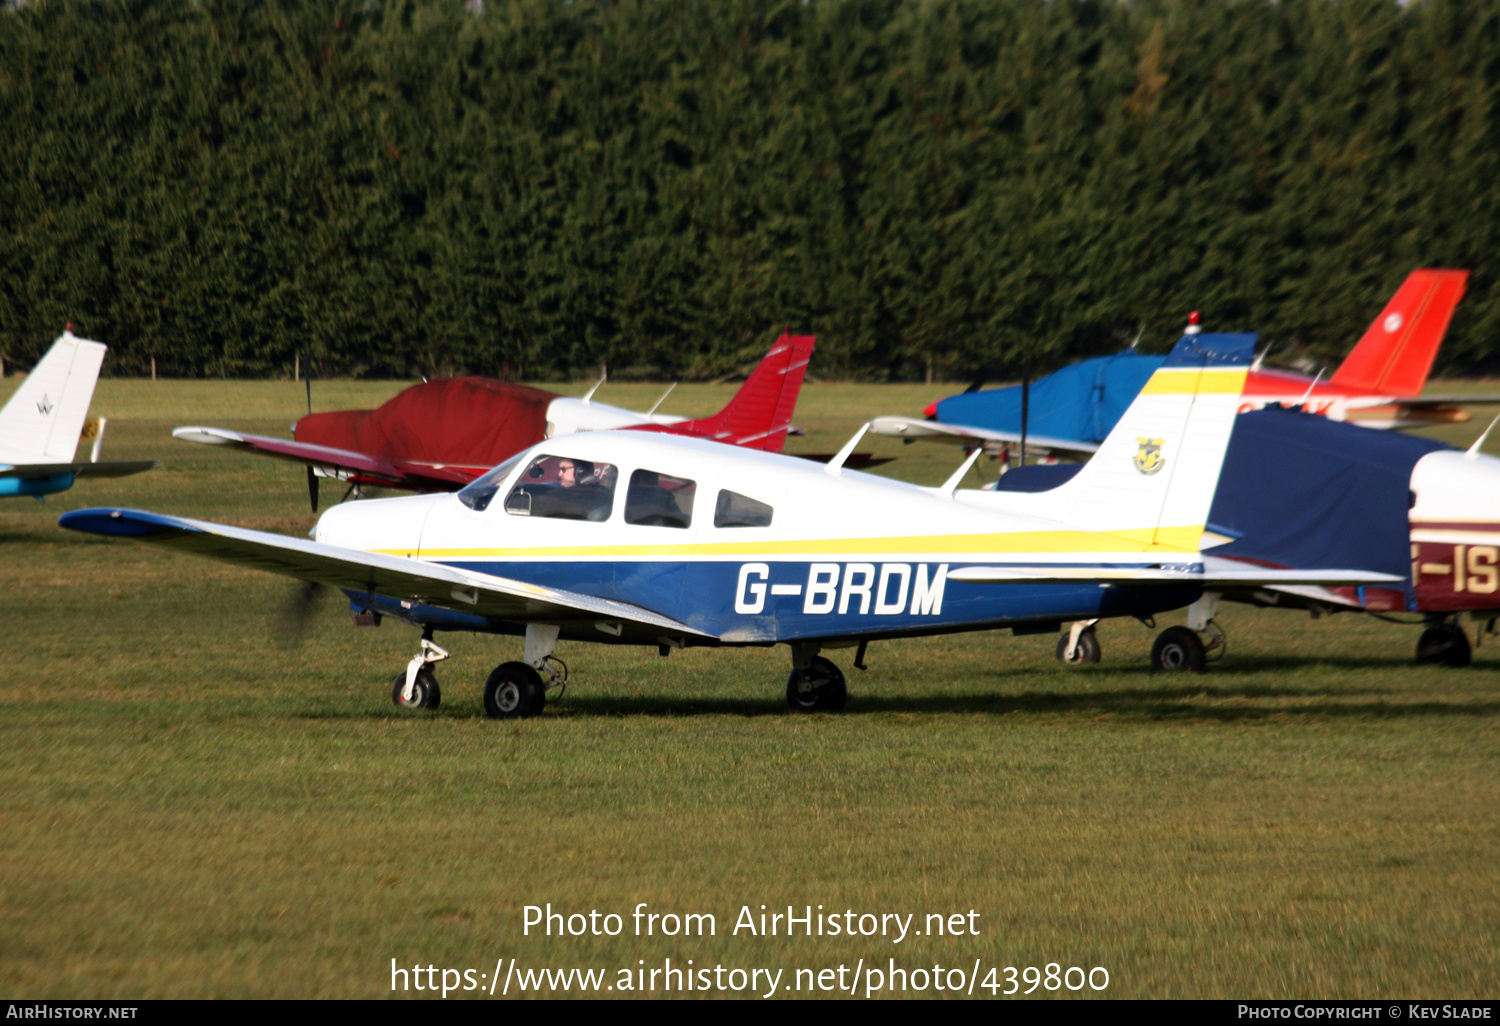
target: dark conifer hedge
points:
(533, 187)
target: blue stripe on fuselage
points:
(735, 601)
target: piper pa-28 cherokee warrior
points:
(630, 538)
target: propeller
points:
(312, 479)
(292, 619)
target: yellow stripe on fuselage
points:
(1205, 381)
(1168, 541)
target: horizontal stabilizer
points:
(109, 468)
(353, 570)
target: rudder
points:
(44, 418)
(1155, 474)
(1396, 352)
(761, 411)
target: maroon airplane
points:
(440, 435)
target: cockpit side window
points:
(565, 489)
(736, 510)
(477, 493)
(655, 499)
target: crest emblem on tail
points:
(1148, 457)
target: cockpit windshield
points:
(478, 493)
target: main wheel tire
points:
(1086, 651)
(1177, 649)
(1444, 645)
(514, 691)
(425, 693)
(825, 690)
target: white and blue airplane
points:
(42, 423)
(651, 539)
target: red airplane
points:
(440, 435)
(1379, 384)
(1071, 411)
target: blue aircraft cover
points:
(1302, 491)
(1081, 402)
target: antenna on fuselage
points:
(1473, 453)
(662, 399)
(835, 466)
(603, 376)
(950, 486)
(1308, 394)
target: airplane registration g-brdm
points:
(631, 538)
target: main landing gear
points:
(514, 690)
(816, 684)
(1444, 643)
(1193, 647)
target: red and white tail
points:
(1396, 353)
(761, 411)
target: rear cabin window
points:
(565, 489)
(655, 499)
(736, 510)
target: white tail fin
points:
(1155, 475)
(44, 417)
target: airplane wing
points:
(344, 463)
(931, 430)
(1252, 576)
(107, 468)
(353, 570)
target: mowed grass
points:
(201, 799)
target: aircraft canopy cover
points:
(1081, 402)
(1315, 494)
(465, 422)
(1302, 491)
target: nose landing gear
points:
(417, 687)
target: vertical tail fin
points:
(43, 419)
(761, 411)
(1155, 474)
(1396, 353)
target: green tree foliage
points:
(533, 187)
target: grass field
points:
(199, 800)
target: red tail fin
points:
(1397, 351)
(761, 411)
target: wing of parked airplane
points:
(912, 429)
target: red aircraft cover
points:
(465, 422)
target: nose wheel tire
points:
(514, 691)
(424, 692)
(1178, 649)
(819, 688)
(1086, 651)
(1445, 644)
